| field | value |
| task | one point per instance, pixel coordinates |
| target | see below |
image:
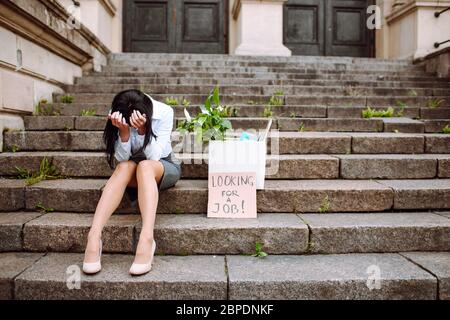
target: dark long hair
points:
(126, 102)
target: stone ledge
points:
(43, 22)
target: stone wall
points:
(41, 52)
(410, 29)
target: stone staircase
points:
(352, 195)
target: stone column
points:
(259, 27)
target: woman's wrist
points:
(124, 135)
(141, 132)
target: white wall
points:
(23, 84)
(106, 26)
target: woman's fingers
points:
(141, 116)
(133, 122)
(137, 119)
(118, 120)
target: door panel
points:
(178, 26)
(303, 30)
(327, 27)
(201, 28)
(347, 34)
(146, 26)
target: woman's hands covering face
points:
(119, 121)
(138, 121)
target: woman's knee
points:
(126, 166)
(149, 167)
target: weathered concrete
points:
(420, 194)
(13, 264)
(13, 194)
(192, 277)
(390, 166)
(66, 232)
(327, 277)
(438, 264)
(11, 224)
(280, 233)
(383, 232)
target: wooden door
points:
(328, 28)
(175, 26)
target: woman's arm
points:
(155, 149)
(122, 147)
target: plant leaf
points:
(187, 115)
(226, 123)
(204, 110)
(262, 254)
(216, 98)
(208, 103)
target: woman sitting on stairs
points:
(138, 135)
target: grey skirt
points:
(172, 173)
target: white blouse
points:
(161, 147)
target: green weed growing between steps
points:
(210, 123)
(276, 100)
(372, 113)
(325, 206)
(43, 208)
(174, 102)
(14, 148)
(435, 103)
(88, 113)
(47, 171)
(446, 129)
(171, 101)
(43, 108)
(67, 99)
(302, 127)
(259, 253)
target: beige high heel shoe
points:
(138, 269)
(94, 267)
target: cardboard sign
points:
(232, 195)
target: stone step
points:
(82, 195)
(262, 66)
(317, 124)
(248, 110)
(282, 124)
(402, 124)
(231, 99)
(279, 233)
(279, 142)
(435, 113)
(299, 69)
(253, 110)
(436, 125)
(259, 63)
(194, 166)
(282, 233)
(241, 110)
(255, 90)
(94, 80)
(225, 57)
(340, 276)
(285, 77)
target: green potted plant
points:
(210, 123)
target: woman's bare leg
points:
(148, 174)
(111, 197)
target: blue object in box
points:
(244, 136)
